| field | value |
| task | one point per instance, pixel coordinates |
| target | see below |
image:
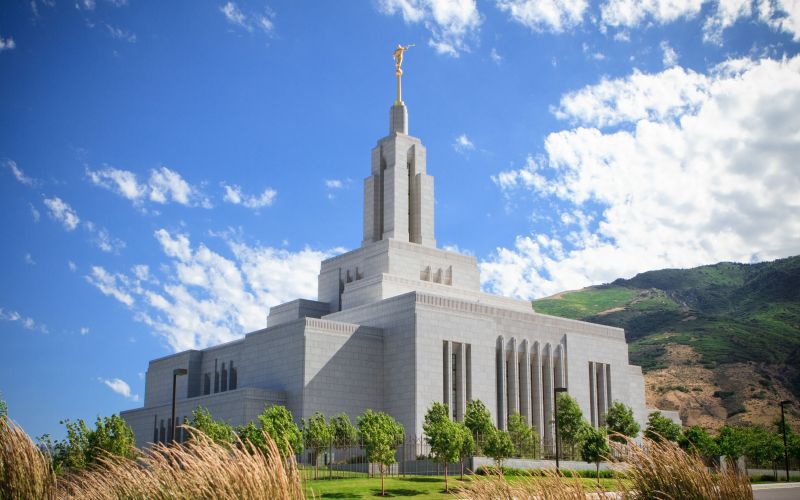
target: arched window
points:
(206, 384)
(233, 376)
(224, 379)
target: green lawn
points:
(416, 487)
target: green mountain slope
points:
(726, 313)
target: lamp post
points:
(175, 373)
(785, 449)
(556, 391)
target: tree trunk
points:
(462, 469)
(446, 489)
(598, 473)
(383, 490)
(316, 464)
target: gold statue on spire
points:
(398, 58)
(398, 71)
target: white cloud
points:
(452, 23)
(84, 330)
(71, 265)
(113, 285)
(208, 298)
(669, 57)
(62, 212)
(7, 43)
(334, 184)
(25, 321)
(780, 15)
(120, 387)
(164, 185)
(19, 174)
(545, 15)
(456, 249)
(496, 57)
(702, 173)
(106, 242)
(249, 22)
(34, 213)
(29, 260)
(462, 144)
(121, 34)
(234, 195)
(631, 13)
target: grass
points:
(584, 303)
(412, 487)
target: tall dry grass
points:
(197, 469)
(651, 470)
(25, 472)
(665, 471)
(549, 486)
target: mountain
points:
(720, 343)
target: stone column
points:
(547, 396)
(461, 383)
(601, 394)
(524, 362)
(447, 384)
(592, 394)
(608, 386)
(536, 392)
(513, 378)
(501, 383)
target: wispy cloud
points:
(463, 144)
(25, 321)
(452, 23)
(495, 56)
(29, 259)
(34, 213)
(253, 21)
(669, 57)
(19, 174)
(62, 212)
(121, 33)
(120, 387)
(163, 186)
(84, 330)
(7, 44)
(234, 195)
(545, 15)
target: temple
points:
(398, 324)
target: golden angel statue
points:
(398, 57)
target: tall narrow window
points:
(216, 378)
(206, 384)
(233, 376)
(454, 383)
(224, 379)
(155, 428)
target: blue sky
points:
(170, 170)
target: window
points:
(224, 379)
(232, 378)
(206, 384)
(216, 378)
(454, 379)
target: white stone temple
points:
(398, 324)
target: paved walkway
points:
(777, 491)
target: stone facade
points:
(398, 325)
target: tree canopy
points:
(522, 435)
(594, 447)
(619, 420)
(381, 435)
(218, 430)
(571, 423)
(660, 428)
(499, 446)
(84, 446)
(478, 419)
(344, 432)
(277, 421)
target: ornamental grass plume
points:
(549, 485)
(25, 472)
(665, 471)
(199, 468)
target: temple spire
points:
(398, 122)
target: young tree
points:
(764, 447)
(444, 437)
(278, 422)
(732, 442)
(499, 447)
(381, 434)
(570, 421)
(84, 446)
(217, 430)
(620, 422)
(344, 432)
(522, 435)
(660, 427)
(251, 434)
(468, 447)
(318, 437)
(479, 421)
(594, 447)
(698, 440)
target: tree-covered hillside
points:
(727, 314)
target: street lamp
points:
(175, 373)
(557, 390)
(785, 449)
